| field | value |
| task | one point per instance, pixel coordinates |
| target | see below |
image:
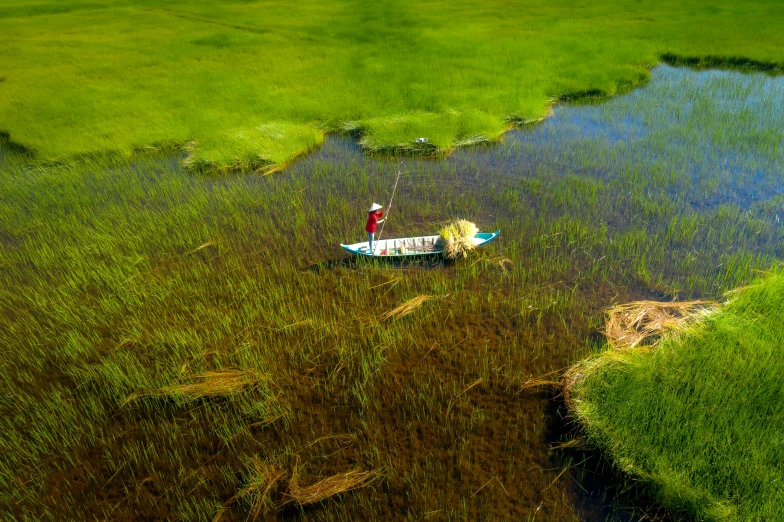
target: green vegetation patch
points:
(254, 84)
(700, 418)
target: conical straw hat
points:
(374, 207)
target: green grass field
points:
(182, 345)
(256, 83)
(700, 419)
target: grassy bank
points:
(255, 83)
(699, 419)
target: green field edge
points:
(358, 132)
(580, 412)
(594, 435)
(727, 63)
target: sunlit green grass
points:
(700, 419)
(255, 83)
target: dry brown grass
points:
(216, 383)
(209, 243)
(406, 308)
(632, 324)
(328, 487)
(537, 382)
(264, 479)
(269, 489)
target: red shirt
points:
(372, 220)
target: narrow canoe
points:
(411, 246)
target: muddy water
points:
(672, 191)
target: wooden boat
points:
(410, 246)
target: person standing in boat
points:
(374, 218)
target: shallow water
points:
(671, 191)
(710, 137)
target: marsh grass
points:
(696, 417)
(724, 62)
(250, 85)
(638, 326)
(104, 292)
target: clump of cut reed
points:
(538, 382)
(457, 238)
(407, 307)
(328, 487)
(216, 383)
(632, 324)
(209, 243)
(269, 488)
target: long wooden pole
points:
(377, 241)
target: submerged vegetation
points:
(243, 84)
(699, 418)
(215, 383)
(255, 354)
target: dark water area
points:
(673, 191)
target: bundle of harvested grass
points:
(268, 488)
(216, 383)
(628, 325)
(407, 307)
(329, 486)
(457, 238)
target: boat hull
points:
(410, 246)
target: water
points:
(711, 137)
